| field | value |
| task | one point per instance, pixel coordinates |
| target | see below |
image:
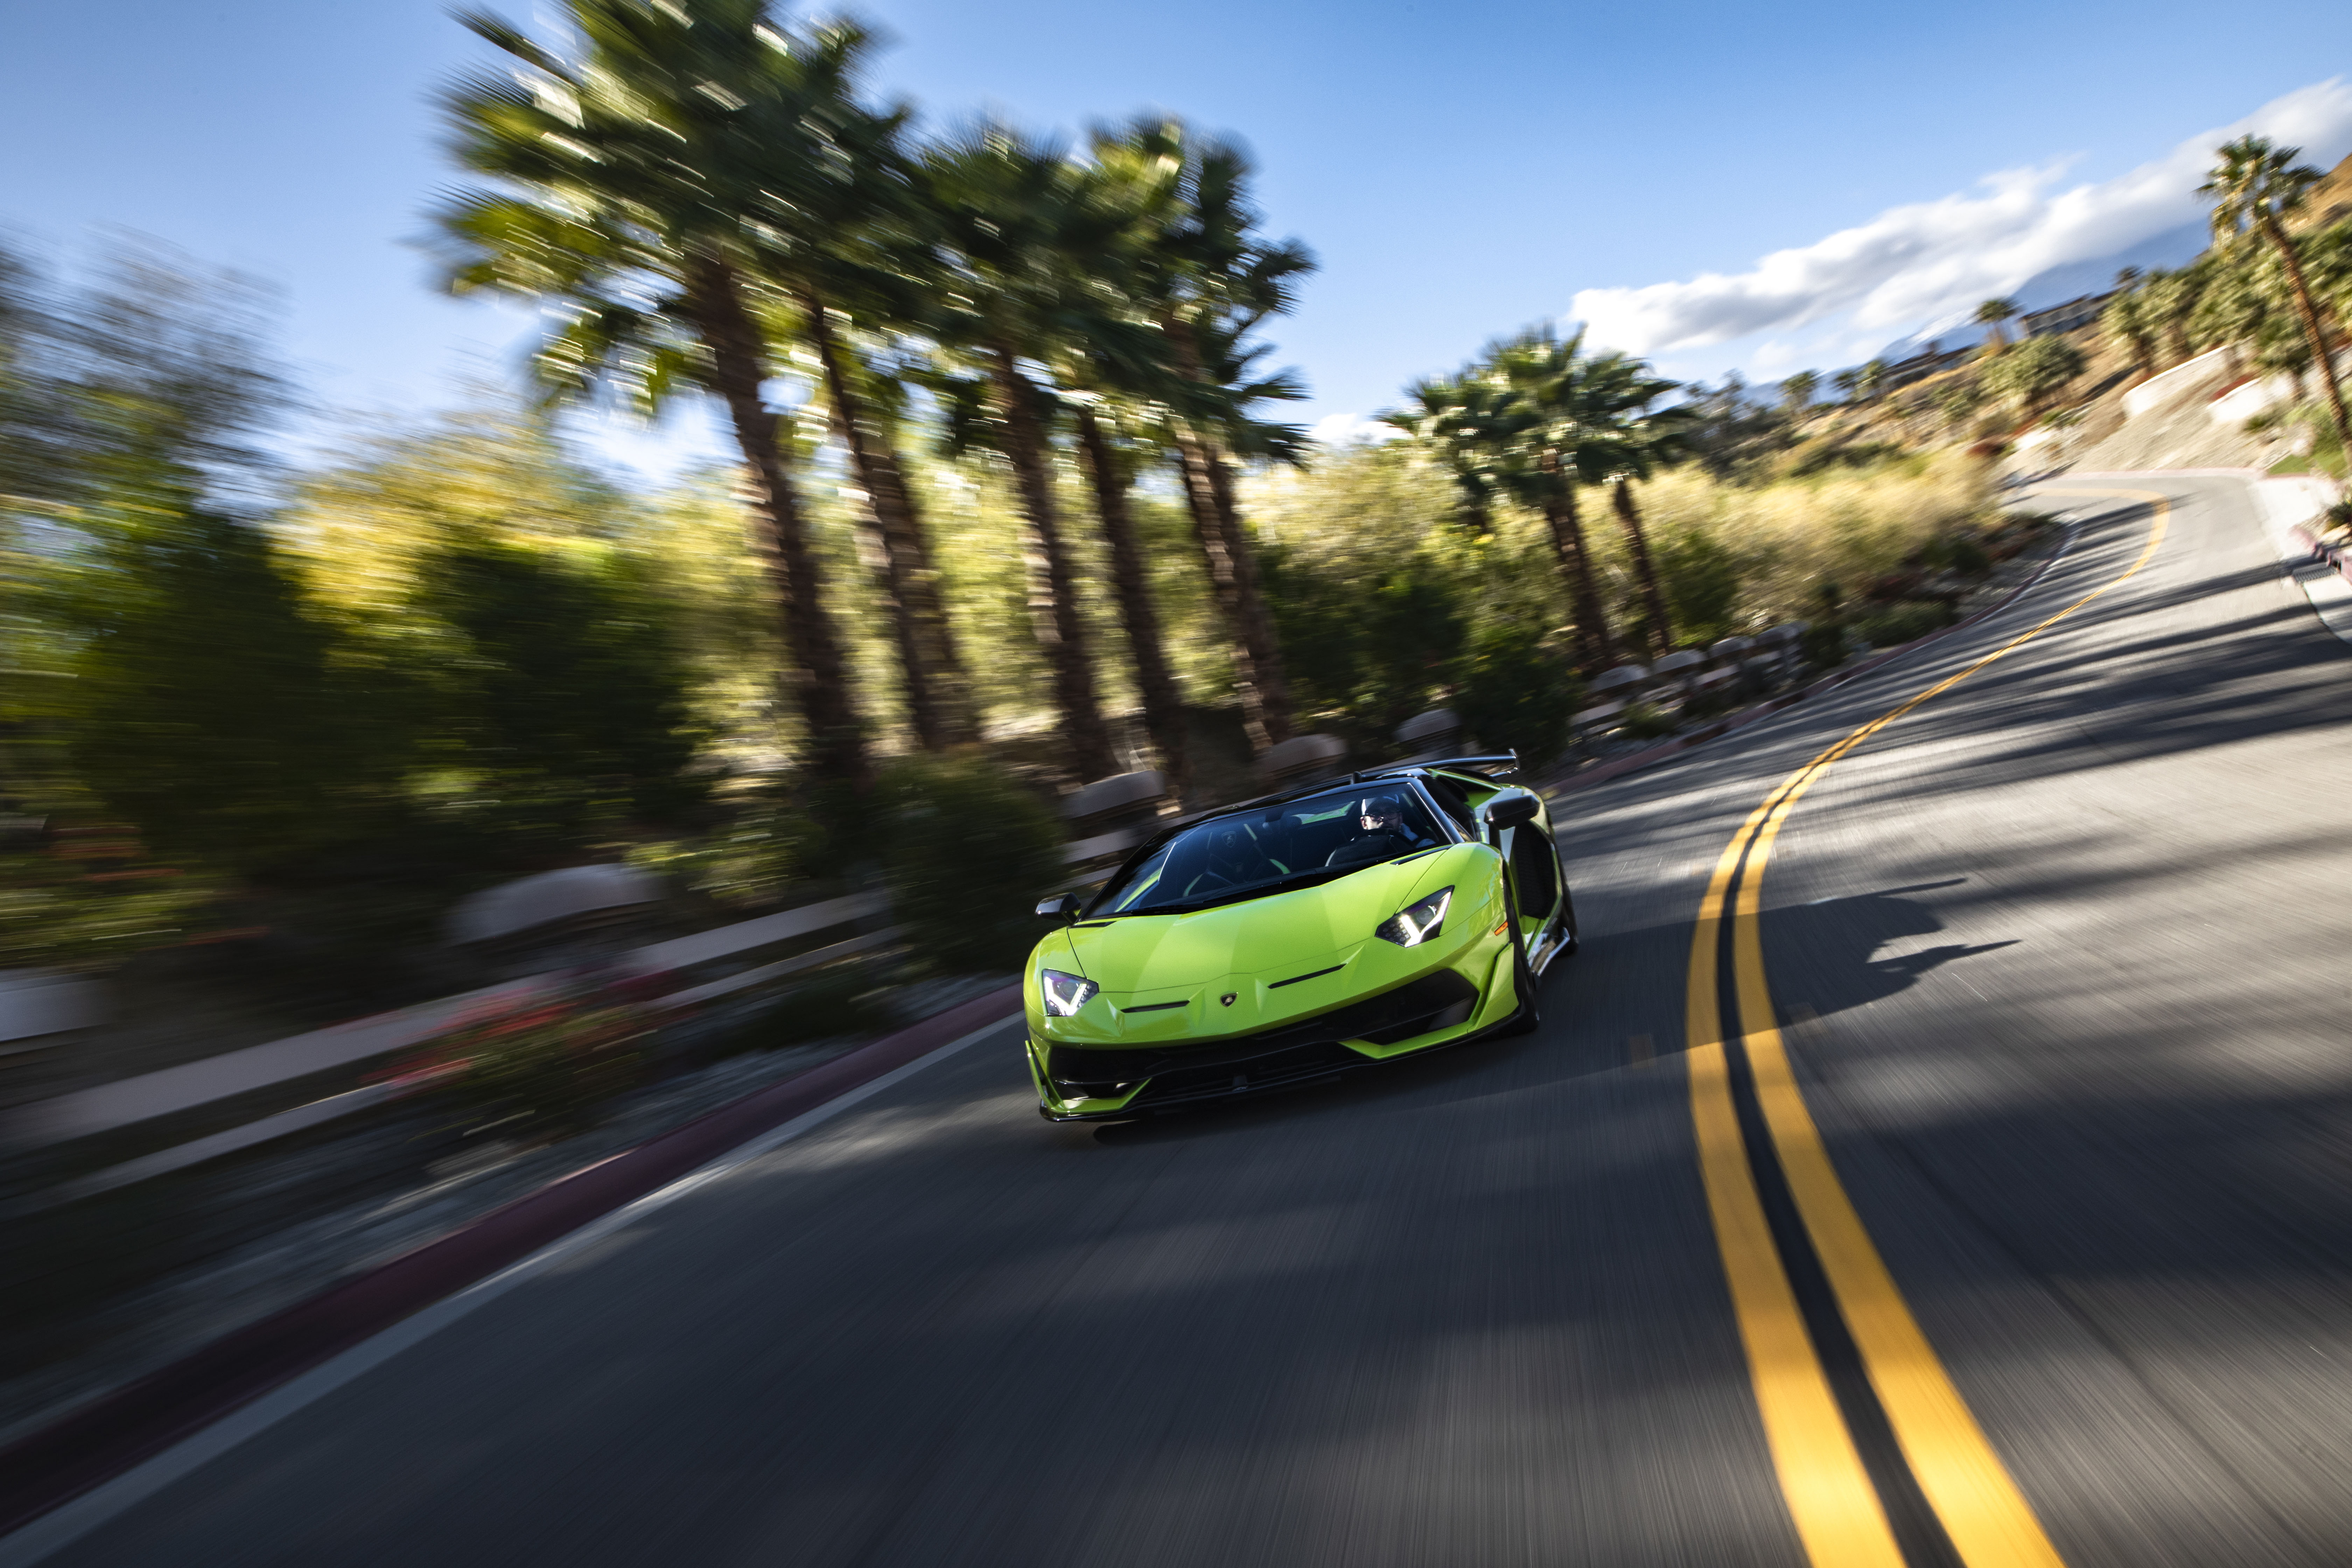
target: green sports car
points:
(1290, 939)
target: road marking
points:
(1831, 1499)
(1988, 1520)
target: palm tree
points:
(1111, 465)
(630, 193)
(1797, 393)
(1022, 232)
(1990, 315)
(1207, 280)
(1848, 381)
(1872, 381)
(1450, 417)
(1536, 436)
(866, 402)
(2253, 187)
(2125, 323)
(1626, 440)
(844, 245)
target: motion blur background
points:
(329, 613)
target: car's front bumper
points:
(1440, 1008)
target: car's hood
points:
(1252, 937)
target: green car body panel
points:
(1169, 983)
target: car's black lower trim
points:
(1295, 1054)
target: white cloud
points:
(1927, 264)
(1347, 429)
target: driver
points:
(1380, 834)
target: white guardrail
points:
(110, 1107)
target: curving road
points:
(2060, 960)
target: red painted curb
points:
(1602, 773)
(102, 1439)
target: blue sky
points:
(1460, 170)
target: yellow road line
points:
(1989, 1521)
(1836, 1510)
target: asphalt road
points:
(2062, 955)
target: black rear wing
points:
(1506, 762)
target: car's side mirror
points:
(1512, 812)
(1065, 908)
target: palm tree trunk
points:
(1257, 624)
(815, 675)
(2312, 330)
(1052, 584)
(1163, 707)
(1266, 703)
(1258, 674)
(1594, 648)
(937, 696)
(1662, 631)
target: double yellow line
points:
(1838, 1512)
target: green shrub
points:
(1701, 582)
(1899, 624)
(844, 1000)
(1364, 640)
(1823, 644)
(534, 1067)
(1644, 723)
(559, 684)
(1515, 693)
(967, 853)
(207, 706)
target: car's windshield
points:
(1297, 841)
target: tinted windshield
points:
(1297, 841)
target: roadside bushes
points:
(1515, 692)
(535, 1067)
(1364, 641)
(1898, 624)
(967, 853)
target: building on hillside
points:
(2079, 312)
(1933, 359)
(2326, 203)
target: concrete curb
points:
(1617, 768)
(102, 1439)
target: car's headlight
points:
(1416, 922)
(1065, 994)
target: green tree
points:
(2034, 372)
(846, 248)
(1624, 438)
(2126, 322)
(207, 707)
(1026, 234)
(1207, 279)
(633, 190)
(2253, 186)
(1797, 393)
(2172, 297)
(1539, 440)
(1451, 417)
(1513, 691)
(558, 687)
(1992, 315)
